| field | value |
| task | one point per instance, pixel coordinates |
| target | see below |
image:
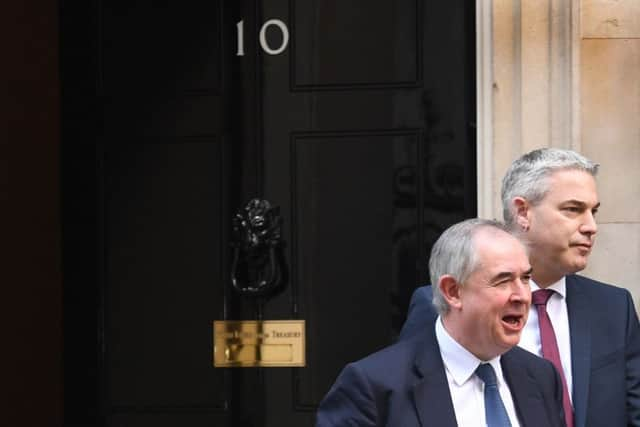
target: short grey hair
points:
(454, 254)
(527, 176)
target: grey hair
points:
(453, 254)
(527, 176)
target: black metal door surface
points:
(354, 118)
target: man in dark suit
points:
(464, 369)
(550, 196)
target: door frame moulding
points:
(528, 82)
(484, 107)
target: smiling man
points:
(465, 369)
(588, 329)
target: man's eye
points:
(500, 283)
(573, 209)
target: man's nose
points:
(521, 292)
(589, 225)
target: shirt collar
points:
(460, 362)
(560, 287)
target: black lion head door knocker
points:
(257, 267)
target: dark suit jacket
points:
(605, 349)
(405, 385)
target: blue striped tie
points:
(494, 409)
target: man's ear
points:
(521, 211)
(450, 290)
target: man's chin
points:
(579, 265)
(509, 341)
(575, 265)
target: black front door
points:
(355, 118)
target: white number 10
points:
(263, 39)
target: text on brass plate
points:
(251, 343)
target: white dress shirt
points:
(557, 310)
(467, 390)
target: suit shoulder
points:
(402, 351)
(423, 292)
(596, 287)
(402, 356)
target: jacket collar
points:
(580, 327)
(432, 399)
(431, 396)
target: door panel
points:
(160, 46)
(163, 249)
(348, 230)
(371, 163)
(361, 131)
(357, 44)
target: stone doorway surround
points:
(565, 73)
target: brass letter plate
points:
(251, 343)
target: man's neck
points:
(544, 278)
(453, 328)
(544, 283)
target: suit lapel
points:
(580, 332)
(525, 392)
(431, 396)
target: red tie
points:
(550, 346)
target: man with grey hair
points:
(465, 369)
(588, 329)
